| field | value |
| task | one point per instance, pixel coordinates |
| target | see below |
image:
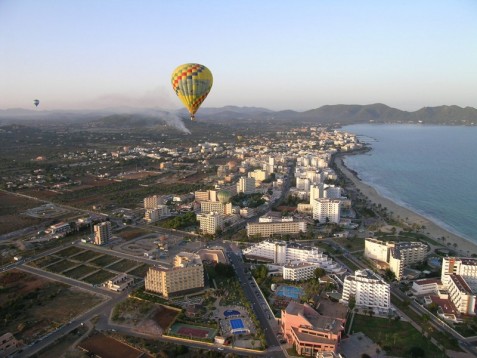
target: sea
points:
(431, 170)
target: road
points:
(254, 295)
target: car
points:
(220, 349)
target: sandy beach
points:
(464, 247)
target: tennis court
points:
(290, 291)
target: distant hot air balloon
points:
(192, 83)
(36, 102)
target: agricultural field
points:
(99, 277)
(123, 265)
(61, 266)
(140, 271)
(44, 261)
(79, 271)
(32, 306)
(86, 256)
(104, 260)
(70, 251)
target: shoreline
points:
(432, 229)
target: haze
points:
(274, 54)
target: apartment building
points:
(210, 222)
(246, 185)
(215, 206)
(102, 233)
(152, 202)
(369, 290)
(308, 331)
(153, 215)
(208, 195)
(459, 276)
(187, 275)
(326, 210)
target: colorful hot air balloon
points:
(192, 83)
(36, 102)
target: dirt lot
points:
(33, 306)
(165, 316)
(107, 347)
(11, 206)
(131, 233)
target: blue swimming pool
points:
(290, 292)
(237, 326)
(229, 313)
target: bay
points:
(431, 170)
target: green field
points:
(123, 265)
(61, 266)
(140, 271)
(104, 260)
(99, 277)
(70, 251)
(86, 256)
(395, 337)
(79, 271)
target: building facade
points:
(187, 275)
(397, 254)
(459, 276)
(102, 233)
(267, 229)
(368, 289)
(246, 185)
(326, 210)
(308, 331)
(210, 223)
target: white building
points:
(459, 276)
(210, 222)
(369, 290)
(153, 215)
(397, 254)
(267, 228)
(296, 261)
(216, 206)
(326, 210)
(246, 185)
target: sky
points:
(277, 54)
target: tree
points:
(389, 276)
(352, 302)
(318, 273)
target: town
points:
(257, 246)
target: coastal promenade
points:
(464, 247)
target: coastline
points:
(433, 230)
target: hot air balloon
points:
(36, 102)
(192, 83)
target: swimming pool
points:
(229, 313)
(290, 291)
(237, 326)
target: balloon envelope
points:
(36, 102)
(192, 83)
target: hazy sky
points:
(80, 54)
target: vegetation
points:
(248, 200)
(179, 222)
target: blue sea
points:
(431, 170)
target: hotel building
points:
(397, 254)
(152, 202)
(153, 215)
(369, 290)
(268, 226)
(187, 275)
(308, 331)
